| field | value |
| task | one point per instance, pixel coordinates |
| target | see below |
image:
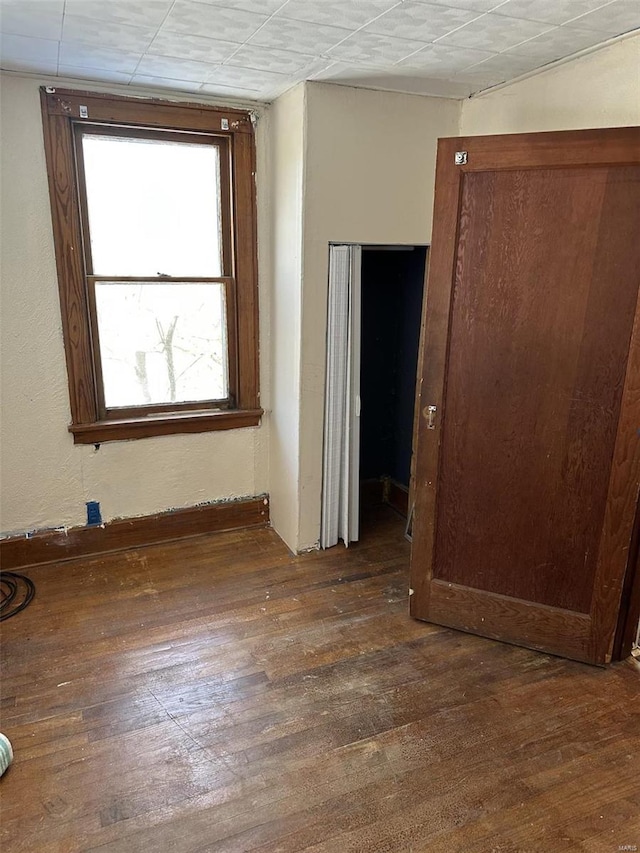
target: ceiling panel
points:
(87, 56)
(148, 81)
(98, 74)
(245, 78)
(397, 80)
(495, 33)
(263, 7)
(337, 13)
(270, 59)
(441, 59)
(256, 49)
(174, 68)
(182, 46)
(141, 13)
(504, 65)
(300, 36)
(79, 28)
(202, 19)
(419, 21)
(367, 47)
(614, 18)
(23, 52)
(476, 5)
(549, 11)
(37, 19)
(557, 43)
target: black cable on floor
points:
(16, 591)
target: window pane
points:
(154, 207)
(162, 343)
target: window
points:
(153, 213)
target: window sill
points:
(145, 427)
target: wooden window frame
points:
(65, 113)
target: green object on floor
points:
(6, 753)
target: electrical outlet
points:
(93, 513)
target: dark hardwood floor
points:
(218, 694)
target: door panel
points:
(526, 485)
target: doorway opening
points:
(374, 323)
(392, 288)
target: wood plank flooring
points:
(219, 694)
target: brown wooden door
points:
(528, 475)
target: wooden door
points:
(528, 469)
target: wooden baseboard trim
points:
(50, 546)
(397, 496)
(371, 493)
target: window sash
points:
(108, 413)
(154, 134)
(118, 412)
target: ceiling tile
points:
(185, 46)
(299, 36)
(616, 18)
(557, 43)
(32, 66)
(440, 59)
(270, 59)
(176, 69)
(505, 65)
(350, 15)
(93, 74)
(24, 52)
(338, 69)
(264, 7)
(548, 11)
(141, 13)
(37, 19)
(495, 33)
(479, 81)
(369, 47)
(391, 81)
(104, 58)
(244, 78)
(202, 19)
(78, 28)
(477, 5)
(419, 21)
(163, 83)
(235, 92)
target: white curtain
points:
(340, 488)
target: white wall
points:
(45, 479)
(287, 164)
(370, 171)
(600, 89)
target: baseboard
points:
(371, 493)
(49, 546)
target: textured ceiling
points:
(257, 49)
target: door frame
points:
(583, 636)
(356, 357)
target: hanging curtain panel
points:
(340, 491)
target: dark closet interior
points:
(392, 290)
